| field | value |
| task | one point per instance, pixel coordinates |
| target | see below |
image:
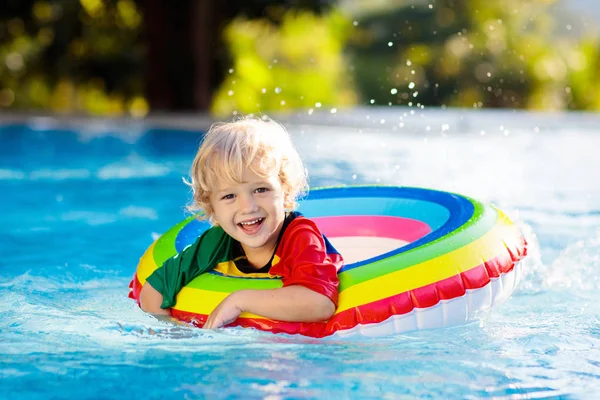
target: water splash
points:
(577, 267)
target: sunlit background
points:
(130, 58)
(103, 103)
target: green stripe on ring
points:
(221, 283)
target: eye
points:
(228, 197)
(262, 190)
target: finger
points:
(211, 325)
(213, 322)
(208, 323)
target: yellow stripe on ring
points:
(437, 269)
(201, 301)
(147, 265)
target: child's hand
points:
(224, 314)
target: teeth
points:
(251, 222)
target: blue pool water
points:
(81, 200)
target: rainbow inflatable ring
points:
(415, 259)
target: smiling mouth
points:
(252, 225)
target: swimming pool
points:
(83, 199)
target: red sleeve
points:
(306, 260)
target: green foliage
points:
(475, 53)
(71, 56)
(87, 56)
(297, 64)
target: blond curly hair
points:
(260, 144)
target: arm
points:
(151, 299)
(290, 303)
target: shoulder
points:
(302, 227)
(300, 235)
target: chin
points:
(255, 244)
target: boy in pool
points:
(246, 178)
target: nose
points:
(247, 204)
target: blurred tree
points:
(187, 54)
(293, 59)
(474, 53)
(111, 57)
(68, 56)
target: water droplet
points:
(230, 93)
(394, 91)
(390, 44)
(372, 101)
(333, 110)
(408, 63)
(318, 104)
(411, 85)
(277, 90)
(354, 176)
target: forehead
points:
(248, 177)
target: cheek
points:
(217, 213)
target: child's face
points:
(251, 212)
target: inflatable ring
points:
(415, 259)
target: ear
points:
(288, 203)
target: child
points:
(246, 177)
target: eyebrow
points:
(229, 188)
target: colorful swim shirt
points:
(303, 256)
